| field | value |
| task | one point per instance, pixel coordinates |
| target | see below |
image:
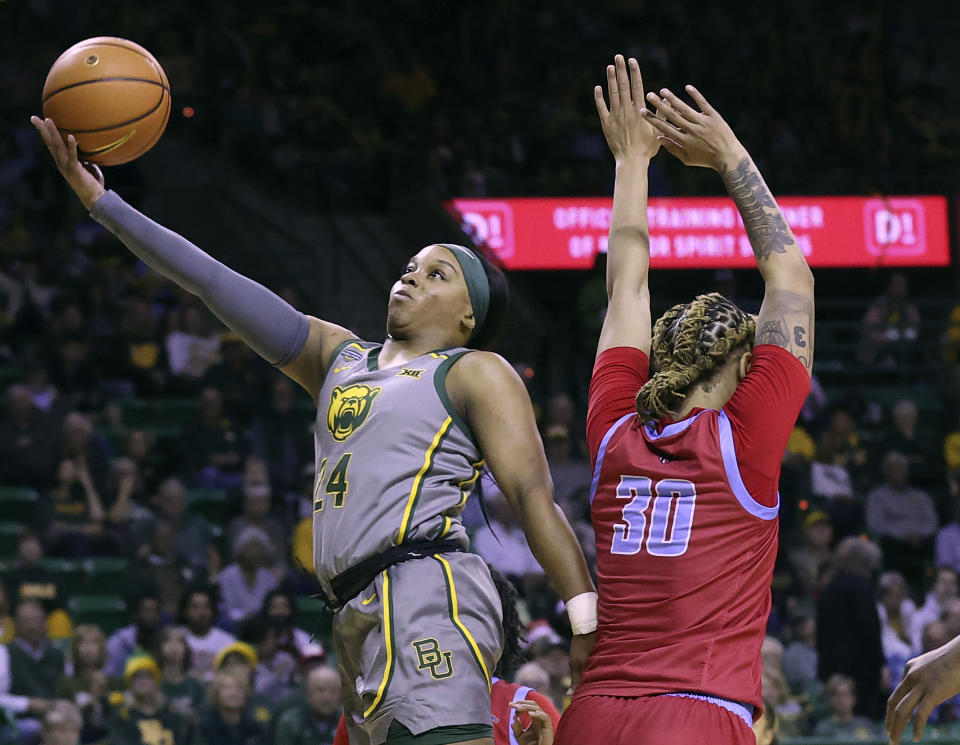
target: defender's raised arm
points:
(633, 143)
(703, 138)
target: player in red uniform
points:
(686, 462)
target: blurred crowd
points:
(145, 448)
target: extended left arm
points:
(498, 410)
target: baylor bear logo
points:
(431, 657)
(349, 408)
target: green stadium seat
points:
(103, 573)
(210, 503)
(9, 532)
(173, 411)
(135, 412)
(116, 438)
(69, 572)
(18, 504)
(109, 612)
(10, 374)
(313, 617)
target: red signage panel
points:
(707, 232)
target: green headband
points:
(478, 286)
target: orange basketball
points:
(112, 95)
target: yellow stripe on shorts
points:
(455, 615)
(388, 641)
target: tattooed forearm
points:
(767, 230)
(786, 320)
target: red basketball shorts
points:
(650, 720)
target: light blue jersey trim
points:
(734, 707)
(519, 695)
(671, 429)
(603, 451)
(729, 453)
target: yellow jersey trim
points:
(418, 480)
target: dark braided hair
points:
(512, 656)
(690, 342)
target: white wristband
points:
(582, 612)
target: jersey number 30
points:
(671, 517)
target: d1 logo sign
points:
(894, 227)
(490, 223)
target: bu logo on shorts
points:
(349, 407)
(429, 655)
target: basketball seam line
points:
(156, 106)
(103, 80)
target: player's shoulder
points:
(478, 367)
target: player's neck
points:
(400, 351)
(714, 397)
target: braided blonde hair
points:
(690, 342)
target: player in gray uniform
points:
(401, 431)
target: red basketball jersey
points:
(684, 557)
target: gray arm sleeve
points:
(266, 322)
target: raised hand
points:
(929, 680)
(628, 135)
(85, 179)
(697, 138)
(540, 731)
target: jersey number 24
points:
(671, 517)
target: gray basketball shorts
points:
(418, 646)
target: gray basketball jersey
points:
(395, 463)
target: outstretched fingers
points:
(613, 89)
(636, 81)
(623, 79)
(681, 106)
(665, 110)
(901, 711)
(700, 100)
(602, 109)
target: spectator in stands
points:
(550, 652)
(891, 326)
(206, 640)
(194, 539)
(136, 354)
(896, 610)
(62, 724)
(903, 518)
(29, 668)
(27, 442)
(185, 694)
(214, 447)
(256, 513)
(45, 395)
(767, 727)
(88, 450)
(118, 503)
(841, 694)
(279, 439)
(88, 685)
(28, 579)
(945, 587)
(848, 626)
(142, 716)
(245, 583)
(800, 656)
(140, 637)
(240, 658)
(571, 475)
(907, 438)
(273, 676)
(812, 557)
(839, 471)
(947, 545)
(240, 376)
(279, 608)
(140, 447)
(74, 375)
(75, 515)
(315, 722)
(228, 721)
(159, 568)
(191, 348)
(6, 620)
